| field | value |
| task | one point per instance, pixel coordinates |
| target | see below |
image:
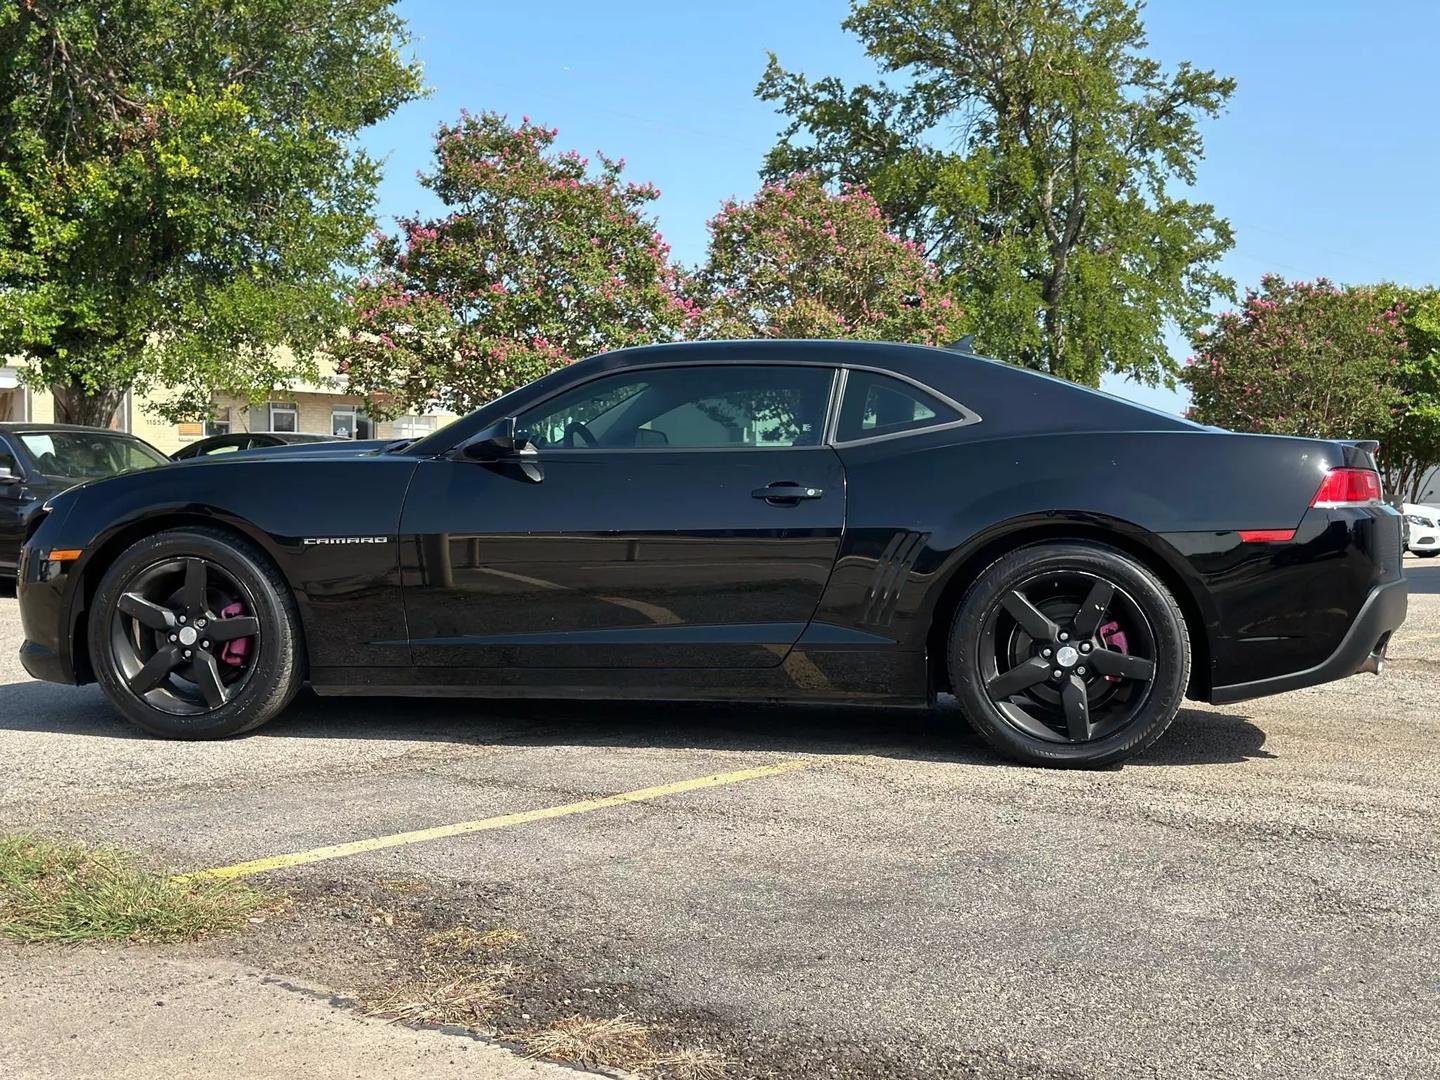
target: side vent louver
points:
(895, 563)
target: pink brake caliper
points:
(234, 652)
(1112, 637)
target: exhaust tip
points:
(1375, 662)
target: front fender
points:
(348, 595)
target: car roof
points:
(1010, 400)
(288, 436)
(14, 427)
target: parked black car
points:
(247, 440)
(41, 460)
(827, 521)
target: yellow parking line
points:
(380, 843)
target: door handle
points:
(786, 492)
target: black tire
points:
(1427, 554)
(1051, 719)
(211, 692)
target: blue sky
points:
(1326, 162)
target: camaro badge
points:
(345, 540)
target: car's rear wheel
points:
(1069, 654)
(194, 635)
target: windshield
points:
(82, 455)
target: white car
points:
(1424, 525)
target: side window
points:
(135, 456)
(694, 406)
(877, 404)
(8, 459)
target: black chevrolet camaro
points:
(785, 521)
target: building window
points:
(414, 427)
(284, 417)
(219, 423)
(12, 405)
(348, 422)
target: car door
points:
(14, 503)
(21, 494)
(674, 516)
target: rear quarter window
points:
(876, 405)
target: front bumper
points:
(47, 618)
(43, 662)
(1379, 617)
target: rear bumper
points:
(1380, 616)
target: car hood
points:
(340, 448)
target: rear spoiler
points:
(1368, 445)
(1365, 458)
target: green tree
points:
(1315, 359)
(179, 192)
(1030, 150)
(1412, 448)
(541, 260)
(800, 262)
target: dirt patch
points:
(442, 956)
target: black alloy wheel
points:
(194, 634)
(182, 636)
(1069, 654)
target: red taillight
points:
(1348, 487)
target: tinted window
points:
(7, 459)
(77, 455)
(877, 404)
(688, 407)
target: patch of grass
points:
(404, 885)
(462, 996)
(616, 1042)
(693, 1064)
(464, 939)
(454, 980)
(60, 891)
(619, 1043)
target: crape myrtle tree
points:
(799, 261)
(541, 259)
(1319, 360)
(1412, 447)
(1030, 147)
(180, 192)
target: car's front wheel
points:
(193, 634)
(1069, 654)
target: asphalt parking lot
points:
(1259, 895)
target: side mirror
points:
(7, 475)
(494, 443)
(501, 443)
